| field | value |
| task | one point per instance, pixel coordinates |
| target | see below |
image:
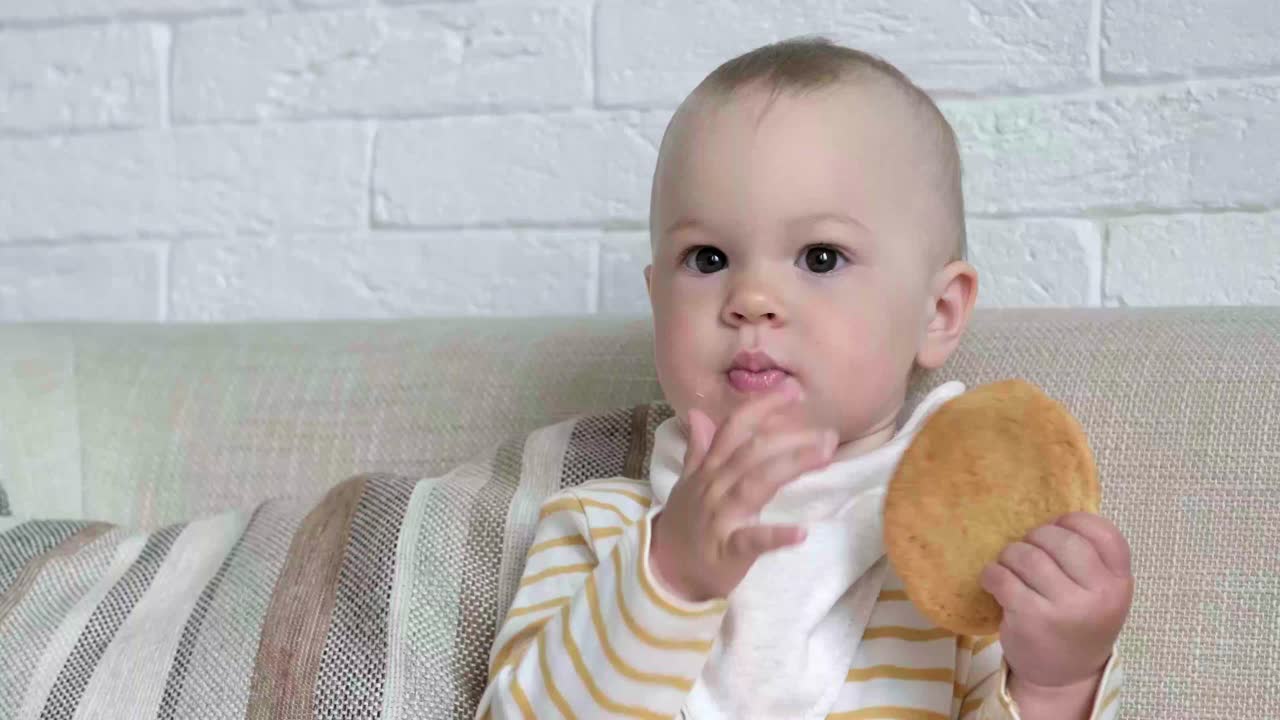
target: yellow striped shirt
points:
(591, 634)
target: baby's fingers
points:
(744, 423)
(1106, 538)
(759, 482)
(1007, 588)
(702, 430)
(750, 542)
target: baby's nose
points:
(753, 306)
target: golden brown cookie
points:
(986, 468)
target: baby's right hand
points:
(705, 539)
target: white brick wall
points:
(206, 160)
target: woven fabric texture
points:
(148, 426)
(379, 600)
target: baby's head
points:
(807, 226)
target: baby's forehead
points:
(861, 118)
(758, 102)
(834, 118)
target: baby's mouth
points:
(747, 381)
(754, 371)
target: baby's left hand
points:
(1066, 589)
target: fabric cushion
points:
(1180, 409)
(1179, 406)
(155, 424)
(4, 496)
(380, 600)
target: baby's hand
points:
(1066, 590)
(704, 540)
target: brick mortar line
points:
(371, 156)
(595, 284)
(1105, 231)
(1105, 93)
(1131, 212)
(166, 283)
(193, 16)
(90, 21)
(593, 66)
(165, 83)
(1095, 40)
(602, 226)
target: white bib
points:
(794, 622)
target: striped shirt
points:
(591, 634)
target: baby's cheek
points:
(860, 341)
(682, 326)
(676, 359)
(867, 358)
(677, 339)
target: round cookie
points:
(986, 468)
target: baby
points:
(808, 241)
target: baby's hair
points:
(813, 63)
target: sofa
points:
(145, 425)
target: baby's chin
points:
(798, 414)
(862, 425)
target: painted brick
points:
(79, 78)
(623, 257)
(1181, 38)
(384, 275)
(1180, 148)
(188, 181)
(654, 53)
(1227, 259)
(416, 60)
(71, 10)
(117, 282)
(534, 169)
(1036, 262)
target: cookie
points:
(986, 468)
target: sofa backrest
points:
(149, 424)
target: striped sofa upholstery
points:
(149, 442)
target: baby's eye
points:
(706, 259)
(822, 258)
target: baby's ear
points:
(956, 292)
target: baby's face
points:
(789, 249)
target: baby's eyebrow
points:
(708, 228)
(808, 219)
(842, 218)
(791, 224)
(685, 223)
